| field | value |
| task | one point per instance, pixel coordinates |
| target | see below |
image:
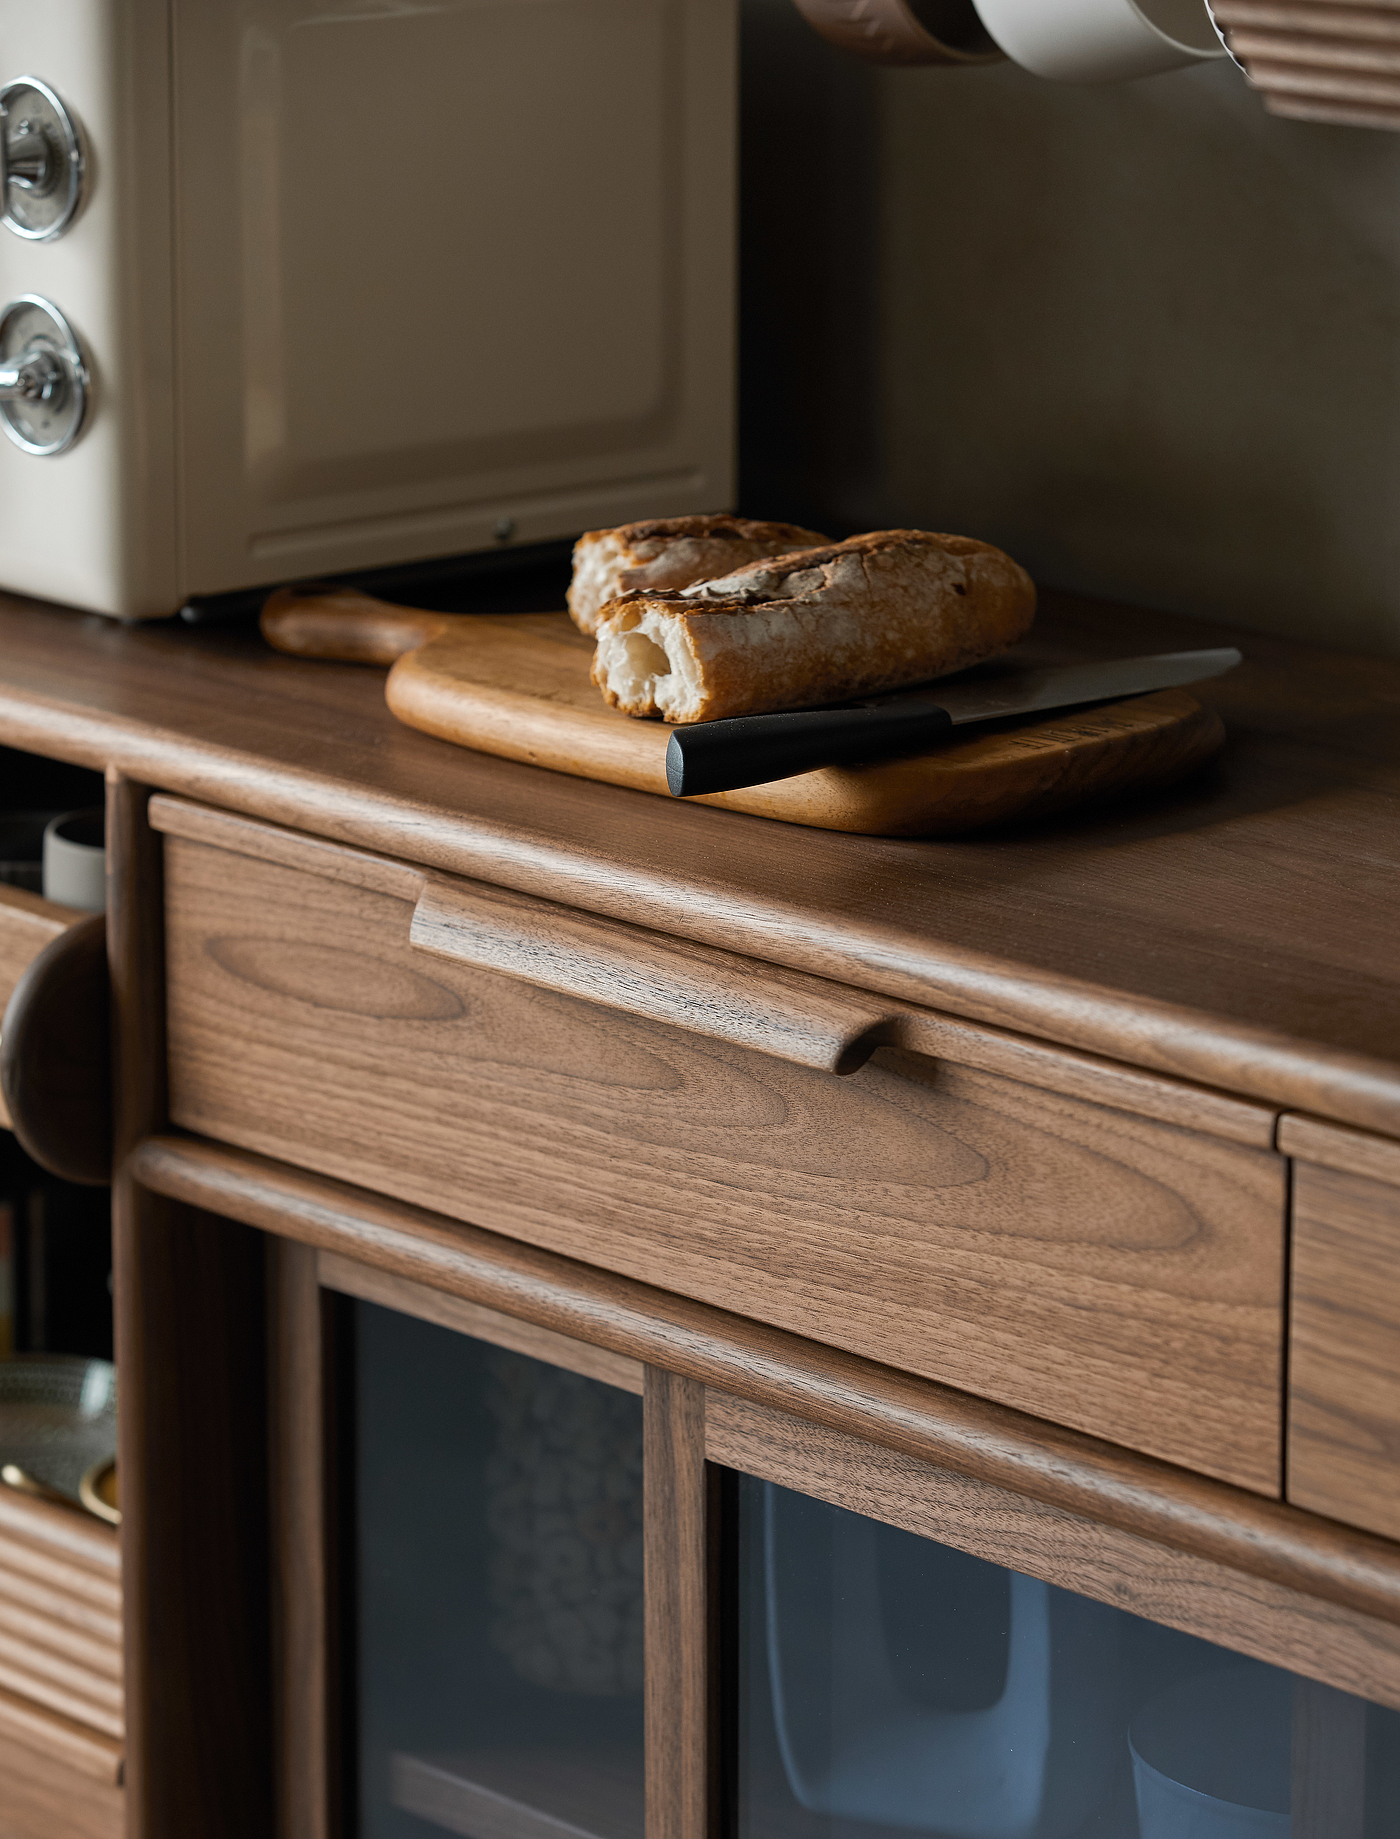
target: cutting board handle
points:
(346, 625)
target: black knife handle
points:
(754, 749)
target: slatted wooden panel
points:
(61, 1635)
(46, 1799)
(1319, 60)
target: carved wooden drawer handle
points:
(55, 1073)
(701, 988)
(695, 987)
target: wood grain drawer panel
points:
(1344, 1369)
(1110, 1271)
(27, 925)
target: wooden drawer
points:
(1089, 1244)
(1344, 1367)
(27, 925)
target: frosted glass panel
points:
(892, 1686)
(499, 1591)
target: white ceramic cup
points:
(75, 861)
(1102, 41)
(1211, 1756)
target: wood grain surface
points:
(370, 1285)
(55, 1072)
(1329, 1763)
(711, 993)
(94, 1704)
(194, 1410)
(519, 686)
(1344, 1366)
(760, 1004)
(191, 1348)
(1042, 1461)
(56, 1571)
(300, 1598)
(136, 979)
(24, 1621)
(77, 1537)
(1182, 1590)
(1332, 1146)
(61, 1632)
(44, 1798)
(1109, 1271)
(676, 1536)
(1238, 932)
(60, 1607)
(71, 1742)
(27, 925)
(74, 1676)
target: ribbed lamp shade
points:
(1319, 60)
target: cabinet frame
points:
(1264, 1579)
(1199, 1554)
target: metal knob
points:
(43, 378)
(41, 161)
(36, 375)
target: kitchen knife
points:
(754, 749)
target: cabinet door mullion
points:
(681, 1701)
(300, 1593)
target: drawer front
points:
(1110, 1271)
(27, 925)
(1344, 1367)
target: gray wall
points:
(1146, 337)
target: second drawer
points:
(1113, 1271)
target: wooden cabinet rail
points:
(929, 1422)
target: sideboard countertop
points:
(1241, 931)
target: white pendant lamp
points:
(1101, 41)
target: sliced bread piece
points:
(850, 619)
(670, 552)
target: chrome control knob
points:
(43, 378)
(41, 161)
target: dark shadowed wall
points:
(1147, 337)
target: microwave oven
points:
(304, 287)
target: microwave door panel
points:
(468, 265)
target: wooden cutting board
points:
(518, 685)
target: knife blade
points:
(755, 749)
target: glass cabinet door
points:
(497, 1590)
(891, 1685)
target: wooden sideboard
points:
(1038, 1192)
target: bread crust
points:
(670, 552)
(848, 619)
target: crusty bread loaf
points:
(670, 552)
(850, 619)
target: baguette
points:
(850, 619)
(670, 552)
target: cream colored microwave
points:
(295, 287)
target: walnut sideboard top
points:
(1241, 932)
